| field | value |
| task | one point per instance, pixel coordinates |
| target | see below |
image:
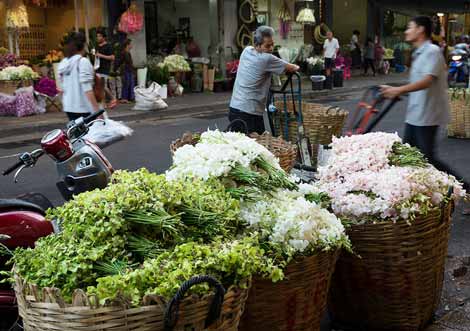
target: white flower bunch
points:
(17, 73)
(216, 154)
(362, 183)
(287, 218)
(175, 63)
(316, 60)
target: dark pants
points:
(369, 63)
(74, 116)
(244, 122)
(128, 84)
(424, 138)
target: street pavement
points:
(148, 147)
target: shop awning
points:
(425, 6)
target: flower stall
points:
(397, 209)
(225, 208)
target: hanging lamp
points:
(306, 15)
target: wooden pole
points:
(85, 15)
(77, 14)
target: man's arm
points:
(106, 57)
(291, 68)
(91, 97)
(394, 92)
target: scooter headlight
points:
(456, 57)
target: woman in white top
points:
(76, 75)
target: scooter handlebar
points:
(13, 168)
(93, 116)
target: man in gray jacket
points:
(253, 80)
(76, 75)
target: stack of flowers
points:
(175, 63)
(21, 72)
(7, 60)
(46, 86)
(53, 56)
(376, 177)
(289, 216)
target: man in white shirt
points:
(330, 50)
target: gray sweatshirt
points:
(77, 76)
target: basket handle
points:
(171, 313)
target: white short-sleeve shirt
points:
(331, 48)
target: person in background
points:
(330, 50)
(257, 64)
(369, 56)
(76, 75)
(105, 56)
(428, 103)
(128, 73)
(356, 49)
(379, 55)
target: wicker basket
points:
(47, 311)
(459, 126)
(10, 86)
(396, 282)
(283, 150)
(321, 123)
(297, 303)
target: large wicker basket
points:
(459, 126)
(395, 280)
(321, 123)
(47, 311)
(285, 151)
(296, 303)
(10, 86)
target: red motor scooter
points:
(81, 167)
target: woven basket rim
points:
(152, 299)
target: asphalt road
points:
(149, 147)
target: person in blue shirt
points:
(257, 64)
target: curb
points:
(171, 112)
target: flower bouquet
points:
(7, 60)
(46, 86)
(316, 64)
(175, 63)
(53, 56)
(397, 210)
(12, 78)
(295, 230)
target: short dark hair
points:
(101, 31)
(357, 32)
(74, 43)
(425, 22)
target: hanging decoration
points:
(16, 15)
(247, 13)
(132, 21)
(306, 15)
(285, 19)
(318, 35)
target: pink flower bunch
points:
(363, 185)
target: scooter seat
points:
(14, 204)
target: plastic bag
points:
(148, 98)
(106, 132)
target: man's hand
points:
(290, 68)
(98, 55)
(390, 92)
